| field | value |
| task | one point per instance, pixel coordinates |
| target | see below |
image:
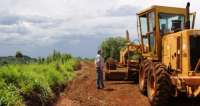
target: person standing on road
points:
(99, 64)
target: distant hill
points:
(13, 60)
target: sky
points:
(37, 27)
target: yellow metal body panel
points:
(170, 51)
(163, 9)
(169, 48)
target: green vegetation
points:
(111, 47)
(37, 82)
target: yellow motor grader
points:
(170, 62)
(127, 67)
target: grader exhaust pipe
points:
(127, 36)
(187, 24)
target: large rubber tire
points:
(143, 73)
(159, 86)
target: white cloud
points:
(41, 24)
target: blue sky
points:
(37, 27)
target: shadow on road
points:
(183, 101)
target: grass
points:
(36, 82)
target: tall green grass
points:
(38, 81)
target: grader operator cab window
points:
(169, 23)
(143, 28)
(143, 21)
(147, 23)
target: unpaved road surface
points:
(82, 92)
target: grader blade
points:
(118, 74)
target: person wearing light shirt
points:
(99, 64)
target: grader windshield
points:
(166, 22)
(147, 26)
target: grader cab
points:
(170, 63)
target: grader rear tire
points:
(144, 68)
(159, 87)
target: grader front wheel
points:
(159, 87)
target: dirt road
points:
(82, 92)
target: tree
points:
(111, 47)
(18, 54)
